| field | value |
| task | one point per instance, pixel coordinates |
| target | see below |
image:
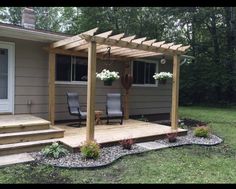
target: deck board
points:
(104, 134)
(21, 119)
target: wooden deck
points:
(22, 119)
(27, 133)
(113, 133)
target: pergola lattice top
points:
(120, 46)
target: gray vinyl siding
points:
(31, 84)
(31, 77)
(101, 91)
(151, 100)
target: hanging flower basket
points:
(108, 82)
(108, 77)
(162, 81)
(162, 77)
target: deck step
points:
(24, 127)
(7, 149)
(9, 138)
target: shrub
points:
(55, 150)
(172, 137)
(90, 150)
(201, 131)
(127, 143)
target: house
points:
(31, 83)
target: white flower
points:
(107, 75)
(162, 75)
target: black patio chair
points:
(114, 108)
(74, 107)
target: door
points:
(6, 77)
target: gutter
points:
(33, 35)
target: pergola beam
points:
(149, 42)
(126, 39)
(141, 55)
(130, 52)
(84, 46)
(82, 54)
(158, 44)
(118, 36)
(73, 39)
(139, 40)
(175, 47)
(121, 43)
(167, 45)
(81, 47)
(75, 44)
(104, 47)
(184, 48)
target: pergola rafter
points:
(94, 46)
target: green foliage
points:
(127, 143)
(201, 131)
(90, 150)
(55, 150)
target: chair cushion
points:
(83, 114)
(74, 110)
(114, 113)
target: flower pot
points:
(162, 81)
(172, 140)
(108, 82)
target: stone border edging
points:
(220, 140)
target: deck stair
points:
(26, 133)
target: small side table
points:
(98, 115)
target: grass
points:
(188, 164)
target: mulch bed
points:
(185, 121)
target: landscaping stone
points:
(152, 145)
(110, 154)
(107, 156)
(14, 159)
(191, 139)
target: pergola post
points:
(51, 87)
(91, 85)
(175, 92)
(126, 95)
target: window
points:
(143, 72)
(71, 68)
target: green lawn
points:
(188, 164)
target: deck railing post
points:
(175, 92)
(91, 86)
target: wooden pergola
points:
(92, 45)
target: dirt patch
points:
(192, 122)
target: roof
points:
(118, 45)
(15, 31)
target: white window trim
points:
(71, 82)
(147, 61)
